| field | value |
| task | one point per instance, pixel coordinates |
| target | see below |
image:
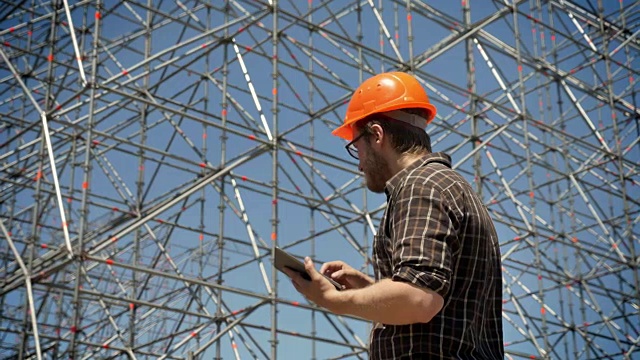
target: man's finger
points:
(295, 285)
(293, 275)
(295, 278)
(338, 274)
(331, 266)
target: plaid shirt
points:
(437, 234)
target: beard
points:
(376, 171)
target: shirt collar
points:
(396, 179)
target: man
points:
(437, 292)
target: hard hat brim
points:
(344, 131)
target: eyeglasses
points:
(351, 149)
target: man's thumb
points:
(308, 265)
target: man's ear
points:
(377, 133)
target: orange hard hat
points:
(382, 93)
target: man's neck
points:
(401, 161)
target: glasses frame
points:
(351, 149)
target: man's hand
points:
(318, 290)
(386, 301)
(345, 275)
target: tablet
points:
(285, 260)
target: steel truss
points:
(153, 153)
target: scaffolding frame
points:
(154, 153)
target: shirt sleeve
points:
(424, 237)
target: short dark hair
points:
(404, 138)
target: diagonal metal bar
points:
(27, 280)
(52, 162)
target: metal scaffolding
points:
(154, 152)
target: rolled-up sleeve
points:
(424, 236)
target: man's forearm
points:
(390, 302)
